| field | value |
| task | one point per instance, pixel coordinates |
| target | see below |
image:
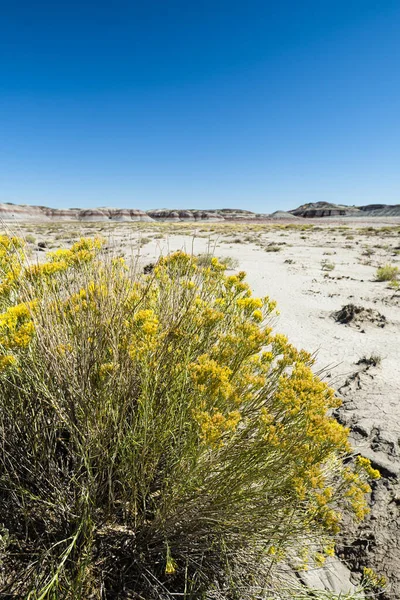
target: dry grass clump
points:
(159, 440)
(327, 266)
(367, 251)
(394, 284)
(273, 248)
(205, 260)
(143, 240)
(387, 273)
(374, 360)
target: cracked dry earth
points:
(375, 543)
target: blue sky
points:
(254, 104)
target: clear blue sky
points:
(253, 104)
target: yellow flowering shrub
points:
(156, 426)
(11, 260)
(372, 581)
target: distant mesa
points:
(318, 210)
(313, 210)
(223, 214)
(24, 212)
(380, 210)
(281, 214)
(112, 214)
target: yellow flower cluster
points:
(211, 378)
(329, 549)
(365, 465)
(177, 264)
(61, 260)
(147, 322)
(16, 326)
(249, 304)
(63, 349)
(319, 559)
(206, 315)
(11, 260)
(213, 426)
(7, 361)
(16, 321)
(355, 486)
(143, 328)
(371, 579)
(106, 369)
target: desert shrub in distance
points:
(387, 273)
(158, 437)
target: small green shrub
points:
(368, 252)
(30, 239)
(144, 240)
(205, 260)
(272, 248)
(159, 440)
(387, 273)
(327, 266)
(394, 284)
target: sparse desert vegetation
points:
(205, 260)
(387, 273)
(327, 266)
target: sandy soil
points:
(312, 273)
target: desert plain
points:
(323, 275)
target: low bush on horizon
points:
(159, 440)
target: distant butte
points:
(319, 210)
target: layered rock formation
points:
(283, 215)
(380, 210)
(24, 212)
(319, 210)
(164, 214)
(112, 214)
(223, 214)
